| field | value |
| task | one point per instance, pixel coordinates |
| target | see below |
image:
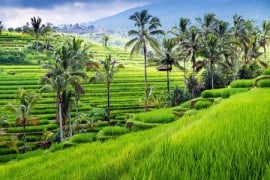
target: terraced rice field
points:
(127, 90)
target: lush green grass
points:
(264, 83)
(156, 116)
(83, 138)
(202, 104)
(227, 141)
(242, 83)
(224, 92)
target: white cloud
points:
(69, 13)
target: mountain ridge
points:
(169, 12)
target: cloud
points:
(69, 13)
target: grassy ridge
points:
(228, 141)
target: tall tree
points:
(180, 32)
(54, 80)
(207, 23)
(36, 25)
(108, 68)
(213, 53)
(148, 26)
(23, 108)
(192, 45)
(168, 59)
(105, 39)
(265, 31)
(45, 31)
(1, 27)
(71, 61)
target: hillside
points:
(229, 140)
(126, 91)
(169, 11)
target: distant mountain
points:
(170, 11)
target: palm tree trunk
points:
(108, 101)
(77, 107)
(145, 78)
(59, 116)
(212, 75)
(24, 136)
(184, 68)
(69, 117)
(264, 49)
(168, 87)
(37, 41)
(60, 122)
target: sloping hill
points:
(169, 11)
(227, 141)
(127, 89)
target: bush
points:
(8, 157)
(155, 116)
(250, 71)
(202, 104)
(264, 83)
(242, 83)
(113, 131)
(178, 96)
(224, 93)
(191, 112)
(267, 71)
(7, 151)
(83, 138)
(221, 79)
(186, 104)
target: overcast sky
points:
(15, 13)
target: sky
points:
(15, 13)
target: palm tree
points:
(36, 24)
(105, 39)
(168, 59)
(71, 60)
(147, 28)
(265, 35)
(45, 31)
(1, 27)
(192, 45)
(212, 52)
(54, 80)
(207, 23)
(180, 31)
(108, 68)
(22, 108)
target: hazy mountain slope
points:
(171, 10)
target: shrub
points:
(250, 71)
(191, 112)
(264, 83)
(194, 86)
(8, 157)
(83, 138)
(113, 131)
(156, 116)
(178, 96)
(7, 151)
(242, 83)
(202, 104)
(224, 93)
(267, 71)
(186, 104)
(221, 79)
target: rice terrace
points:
(134, 89)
